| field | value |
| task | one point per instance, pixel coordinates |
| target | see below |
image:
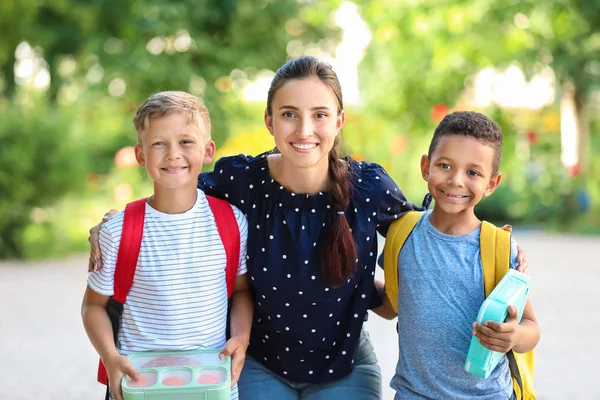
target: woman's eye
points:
(321, 115)
(288, 114)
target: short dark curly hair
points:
(471, 124)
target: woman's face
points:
(305, 122)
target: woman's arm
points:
(95, 261)
(385, 310)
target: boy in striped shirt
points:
(178, 299)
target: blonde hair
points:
(162, 104)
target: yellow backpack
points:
(495, 258)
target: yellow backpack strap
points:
(495, 259)
(495, 254)
(397, 234)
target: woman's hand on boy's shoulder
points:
(236, 348)
(95, 261)
(523, 265)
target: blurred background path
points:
(46, 354)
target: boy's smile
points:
(459, 174)
(174, 170)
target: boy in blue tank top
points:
(441, 277)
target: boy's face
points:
(173, 151)
(459, 173)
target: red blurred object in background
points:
(532, 136)
(125, 158)
(438, 112)
(574, 170)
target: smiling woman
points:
(313, 220)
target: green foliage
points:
(162, 45)
(211, 48)
(39, 162)
(424, 54)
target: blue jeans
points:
(363, 383)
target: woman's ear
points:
(268, 121)
(341, 120)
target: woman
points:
(312, 244)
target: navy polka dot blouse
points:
(304, 329)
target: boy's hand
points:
(498, 336)
(116, 367)
(236, 348)
(95, 262)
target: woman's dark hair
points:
(338, 251)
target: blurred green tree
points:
(424, 54)
(191, 45)
(104, 57)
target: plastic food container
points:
(511, 290)
(179, 375)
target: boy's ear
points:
(268, 121)
(493, 184)
(425, 167)
(139, 155)
(209, 152)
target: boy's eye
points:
(187, 141)
(158, 143)
(473, 173)
(444, 166)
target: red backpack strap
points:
(129, 250)
(229, 232)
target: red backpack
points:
(129, 249)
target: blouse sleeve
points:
(230, 180)
(391, 203)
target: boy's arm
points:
(99, 329)
(242, 309)
(385, 310)
(530, 330)
(97, 324)
(510, 335)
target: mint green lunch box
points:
(179, 375)
(511, 290)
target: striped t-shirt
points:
(178, 300)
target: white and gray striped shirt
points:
(178, 300)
